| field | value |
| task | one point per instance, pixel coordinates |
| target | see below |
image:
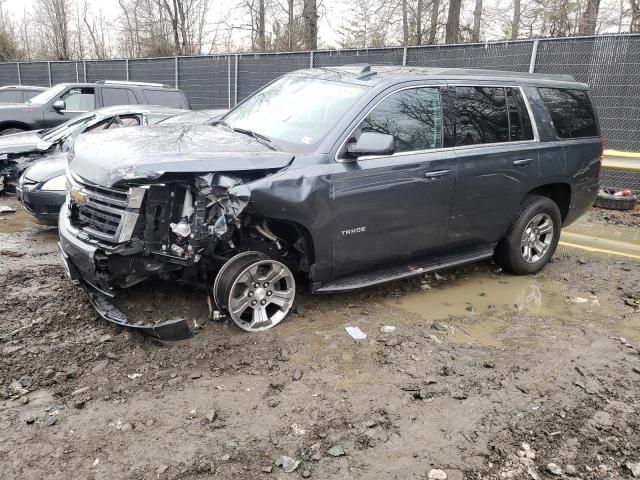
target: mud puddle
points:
(20, 220)
(485, 308)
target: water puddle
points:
(18, 221)
(479, 304)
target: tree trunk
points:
(477, 16)
(589, 18)
(453, 21)
(260, 31)
(310, 15)
(419, 23)
(290, 25)
(515, 23)
(433, 28)
(635, 15)
(405, 24)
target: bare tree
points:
(433, 25)
(453, 21)
(54, 19)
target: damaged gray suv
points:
(335, 178)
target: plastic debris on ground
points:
(356, 333)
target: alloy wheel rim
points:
(536, 238)
(261, 295)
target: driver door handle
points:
(437, 174)
(522, 163)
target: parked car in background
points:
(19, 93)
(64, 101)
(196, 116)
(341, 178)
(41, 188)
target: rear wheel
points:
(256, 291)
(532, 237)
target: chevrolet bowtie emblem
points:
(78, 195)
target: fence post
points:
(311, 59)
(77, 74)
(84, 67)
(404, 57)
(126, 67)
(19, 76)
(49, 68)
(235, 87)
(534, 55)
(229, 80)
(176, 68)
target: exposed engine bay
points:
(202, 230)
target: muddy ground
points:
(485, 376)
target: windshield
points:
(294, 110)
(48, 95)
(67, 128)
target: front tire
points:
(532, 237)
(10, 131)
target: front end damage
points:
(176, 226)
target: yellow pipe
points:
(621, 153)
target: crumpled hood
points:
(52, 166)
(146, 153)
(22, 142)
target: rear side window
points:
(167, 98)
(519, 122)
(118, 96)
(412, 116)
(10, 96)
(481, 116)
(571, 112)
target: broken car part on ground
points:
(324, 175)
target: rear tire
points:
(9, 131)
(532, 237)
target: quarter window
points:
(481, 116)
(412, 116)
(571, 112)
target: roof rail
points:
(128, 82)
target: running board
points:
(419, 267)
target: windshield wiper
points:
(263, 139)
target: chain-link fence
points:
(609, 63)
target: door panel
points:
(388, 210)
(491, 182)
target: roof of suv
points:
(379, 74)
(118, 83)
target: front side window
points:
(79, 99)
(571, 112)
(67, 128)
(481, 116)
(296, 111)
(413, 117)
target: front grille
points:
(102, 213)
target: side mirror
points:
(59, 105)
(372, 143)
